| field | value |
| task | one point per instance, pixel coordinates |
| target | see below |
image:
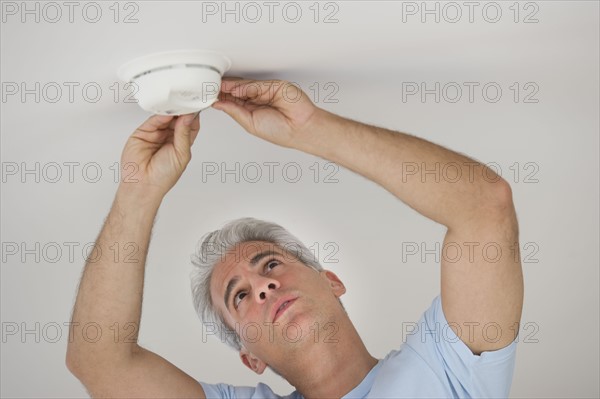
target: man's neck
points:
(332, 367)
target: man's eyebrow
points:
(255, 259)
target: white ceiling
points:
(369, 56)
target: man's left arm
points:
(481, 276)
(482, 284)
(485, 284)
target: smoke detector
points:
(176, 82)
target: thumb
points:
(240, 114)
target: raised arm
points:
(471, 200)
(109, 301)
(481, 277)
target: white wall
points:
(369, 56)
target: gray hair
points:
(212, 250)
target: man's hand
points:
(274, 110)
(157, 153)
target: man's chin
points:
(283, 332)
(303, 330)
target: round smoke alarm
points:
(176, 82)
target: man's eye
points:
(271, 264)
(238, 298)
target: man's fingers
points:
(228, 84)
(228, 80)
(258, 92)
(195, 128)
(238, 112)
(228, 97)
(233, 78)
(186, 130)
(172, 124)
(155, 122)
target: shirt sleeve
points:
(215, 391)
(226, 391)
(486, 375)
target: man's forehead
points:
(243, 253)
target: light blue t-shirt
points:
(432, 363)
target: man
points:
(257, 282)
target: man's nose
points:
(264, 288)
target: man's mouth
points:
(283, 307)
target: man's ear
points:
(252, 362)
(335, 283)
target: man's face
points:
(272, 300)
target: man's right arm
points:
(109, 299)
